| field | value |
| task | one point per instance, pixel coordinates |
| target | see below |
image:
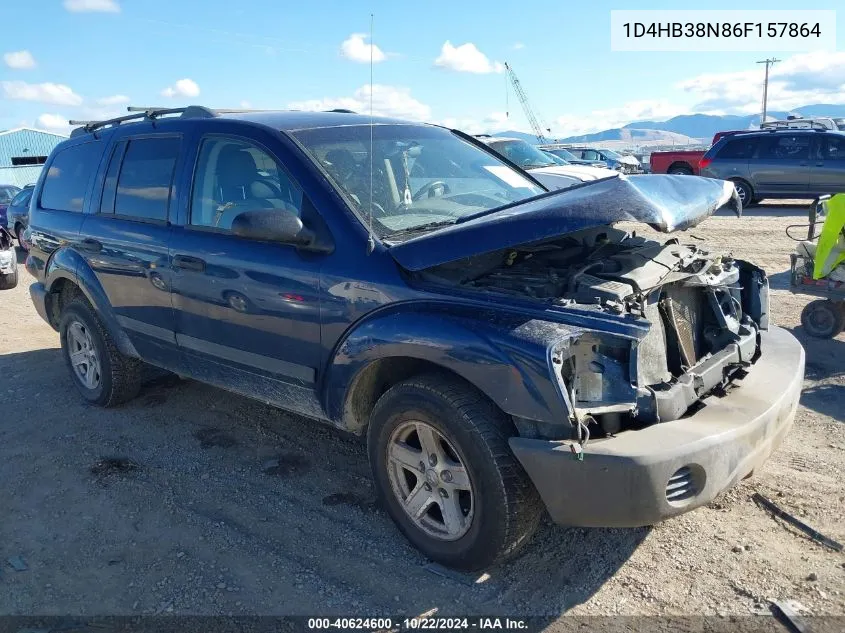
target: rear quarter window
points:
(739, 148)
(68, 175)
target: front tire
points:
(823, 319)
(446, 475)
(102, 375)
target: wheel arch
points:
(396, 346)
(68, 276)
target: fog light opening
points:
(684, 485)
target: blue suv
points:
(502, 348)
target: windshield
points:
(611, 153)
(422, 176)
(523, 154)
(556, 159)
(565, 154)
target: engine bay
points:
(699, 306)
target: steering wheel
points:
(431, 189)
(377, 210)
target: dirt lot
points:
(203, 520)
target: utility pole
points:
(770, 61)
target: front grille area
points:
(681, 486)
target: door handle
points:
(91, 246)
(186, 262)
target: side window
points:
(146, 176)
(738, 149)
(234, 176)
(834, 148)
(67, 177)
(590, 155)
(110, 185)
(786, 147)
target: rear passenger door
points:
(125, 241)
(827, 174)
(781, 165)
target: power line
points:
(770, 61)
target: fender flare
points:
(67, 264)
(512, 371)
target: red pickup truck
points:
(681, 162)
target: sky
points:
(433, 61)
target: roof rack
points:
(794, 124)
(151, 113)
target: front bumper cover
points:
(622, 481)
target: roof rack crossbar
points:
(137, 113)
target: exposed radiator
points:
(681, 309)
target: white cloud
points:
(802, 79)
(58, 94)
(246, 105)
(182, 88)
(492, 123)
(19, 60)
(356, 49)
(390, 101)
(517, 46)
(53, 123)
(113, 100)
(466, 58)
(90, 6)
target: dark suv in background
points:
(779, 163)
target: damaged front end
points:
(704, 314)
(699, 315)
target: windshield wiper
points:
(420, 227)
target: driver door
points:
(247, 312)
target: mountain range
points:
(687, 128)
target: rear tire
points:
(680, 170)
(746, 193)
(494, 509)
(102, 375)
(823, 319)
(19, 234)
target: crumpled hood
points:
(629, 160)
(581, 172)
(664, 202)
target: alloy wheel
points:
(83, 355)
(430, 480)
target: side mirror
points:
(272, 225)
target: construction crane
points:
(539, 130)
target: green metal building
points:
(23, 151)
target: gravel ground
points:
(191, 500)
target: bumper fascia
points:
(38, 294)
(622, 480)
